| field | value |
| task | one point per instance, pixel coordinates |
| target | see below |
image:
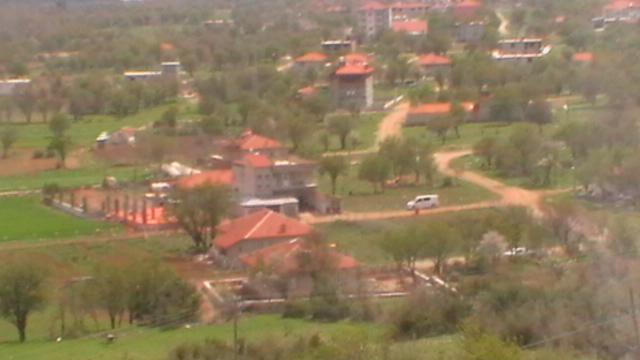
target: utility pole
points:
(235, 327)
(635, 318)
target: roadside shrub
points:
(447, 182)
(429, 314)
(295, 309)
(38, 154)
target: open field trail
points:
(391, 125)
(509, 195)
(504, 23)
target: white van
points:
(423, 202)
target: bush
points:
(38, 154)
(295, 309)
(447, 182)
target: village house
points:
(465, 9)
(520, 50)
(310, 61)
(254, 232)
(292, 262)
(421, 114)
(583, 58)
(410, 26)
(338, 47)
(373, 18)
(432, 64)
(170, 71)
(11, 87)
(353, 82)
(413, 9)
(263, 174)
(469, 31)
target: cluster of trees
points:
(398, 157)
(146, 290)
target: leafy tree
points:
(405, 247)
(376, 170)
(200, 209)
(458, 116)
(60, 145)
(334, 166)
(560, 217)
(421, 94)
(22, 291)
(80, 101)
(8, 137)
(538, 112)
(401, 153)
(480, 345)
(441, 240)
(341, 126)
(212, 125)
(298, 128)
(152, 147)
(59, 125)
(169, 117)
(109, 285)
(440, 125)
(486, 147)
(26, 101)
(506, 104)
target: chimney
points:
(283, 228)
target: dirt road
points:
(509, 195)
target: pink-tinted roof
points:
(219, 176)
(308, 91)
(438, 108)
(250, 141)
(373, 5)
(433, 59)
(257, 160)
(408, 5)
(312, 57)
(355, 69)
(468, 3)
(285, 257)
(264, 224)
(411, 26)
(155, 215)
(619, 5)
(582, 56)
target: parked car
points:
(423, 202)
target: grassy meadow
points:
(26, 218)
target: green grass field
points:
(66, 177)
(83, 132)
(26, 218)
(358, 239)
(357, 195)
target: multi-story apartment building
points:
(373, 18)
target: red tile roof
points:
(256, 160)
(468, 3)
(411, 26)
(433, 59)
(582, 56)
(438, 108)
(373, 5)
(355, 69)
(220, 176)
(284, 257)
(409, 5)
(307, 91)
(619, 5)
(312, 57)
(264, 224)
(250, 141)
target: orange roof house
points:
(256, 231)
(411, 26)
(285, 257)
(218, 176)
(312, 57)
(421, 114)
(256, 160)
(466, 8)
(250, 141)
(585, 57)
(432, 59)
